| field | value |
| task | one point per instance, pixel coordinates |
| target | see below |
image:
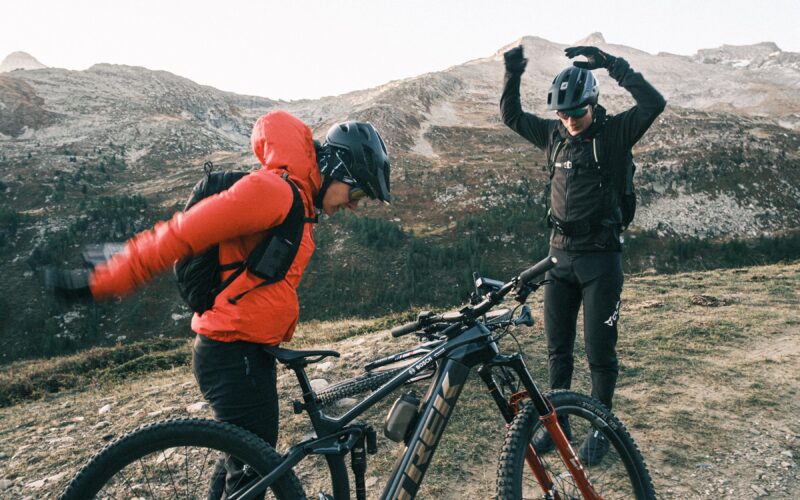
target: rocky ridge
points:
(760, 55)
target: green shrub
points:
(9, 220)
(98, 364)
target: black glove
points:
(68, 285)
(595, 58)
(515, 60)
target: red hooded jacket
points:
(236, 219)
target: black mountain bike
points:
(175, 458)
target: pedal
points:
(297, 407)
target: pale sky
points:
(292, 49)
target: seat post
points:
(318, 420)
(303, 381)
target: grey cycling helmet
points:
(370, 160)
(572, 88)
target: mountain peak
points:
(20, 60)
(595, 38)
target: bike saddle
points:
(292, 357)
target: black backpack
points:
(622, 185)
(199, 276)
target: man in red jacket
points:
(234, 373)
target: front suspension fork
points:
(547, 414)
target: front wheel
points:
(181, 458)
(619, 473)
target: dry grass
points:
(709, 393)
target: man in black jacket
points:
(590, 165)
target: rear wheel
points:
(178, 459)
(620, 474)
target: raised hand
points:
(68, 285)
(595, 58)
(515, 60)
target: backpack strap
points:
(599, 156)
(284, 238)
(551, 165)
(619, 178)
(557, 143)
(239, 266)
(595, 151)
(607, 177)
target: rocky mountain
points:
(19, 60)
(760, 55)
(96, 155)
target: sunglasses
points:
(573, 113)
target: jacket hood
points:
(282, 142)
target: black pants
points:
(594, 279)
(238, 381)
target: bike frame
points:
(468, 347)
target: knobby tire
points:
(358, 385)
(153, 461)
(621, 474)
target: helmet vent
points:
(572, 88)
(368, 155)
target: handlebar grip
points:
(399, 331)
(538, 269)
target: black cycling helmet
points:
(572, 88)
(369, 167)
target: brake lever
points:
(525, 290)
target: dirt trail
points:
(735, 432)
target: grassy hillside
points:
(708, 389)
(712, 189)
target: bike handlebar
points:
(538, 269)
(493, 299)
(399, 331)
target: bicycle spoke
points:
(147, 463)
(146, 478)
(169, 469)
(616, 472)
(600, 475)
(201, 474)
(126, 481)
(186, 469)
